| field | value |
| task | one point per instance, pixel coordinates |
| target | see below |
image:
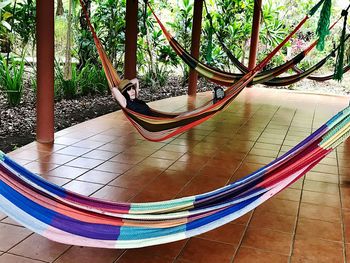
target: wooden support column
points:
(196, 37)
(130, 39)
(254, 40)
(45, 71)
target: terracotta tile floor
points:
(106, 158)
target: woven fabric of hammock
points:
(267, 77)
(67, 217)
(164, 125)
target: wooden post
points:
(45, 71)
(130, 39)
(254, 40)
(196, 37)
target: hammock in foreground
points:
(227, 78)
(165, 125)
(70, 218)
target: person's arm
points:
(119, 97)
(136, 82)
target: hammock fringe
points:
(323, 24)
(339, 71)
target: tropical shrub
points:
(109, 21)
(11, 80)
(5, 27)
(232, 22)
(25, 14)
(92, 80)
(182, 26)
(155, 57)
(65, 88)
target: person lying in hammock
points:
(126, 95)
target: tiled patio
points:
(106, 158)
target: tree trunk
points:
(67, 69)
(60, 9)
(85, 51)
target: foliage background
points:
(228, 20)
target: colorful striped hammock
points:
(324, 77)
(67, 217)
(245, 69)
(267, 77)
(291, 79)
(165, 125)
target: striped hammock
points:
(309, 75)
(324, 77)
(245, 69)
(291, 79)
(164, 125)
(267, 77)
(64, 216)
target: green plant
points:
(92, 80)
(154, 55)
(232, 22)
(25, 13)
(156, 78)
(109, 22)
(64, 88)
(5, 27)
(182, 26)
(11, 80)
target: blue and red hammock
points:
(67, 217)
(70, 218)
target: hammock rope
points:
(165, 125)
(67, 71)
(323, 23)
(338, 73)
(64, 216)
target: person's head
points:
(128, 89)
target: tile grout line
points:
(300, 199)
(279, 152)
(64, 252)
(251, 216)
(182, 249)
(341, 211)
(22, 256)
(180, 252)
(196, 174)
(246, 153)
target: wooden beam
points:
(196, 37)
(130, 39)
(45, 70)
(254, 40)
